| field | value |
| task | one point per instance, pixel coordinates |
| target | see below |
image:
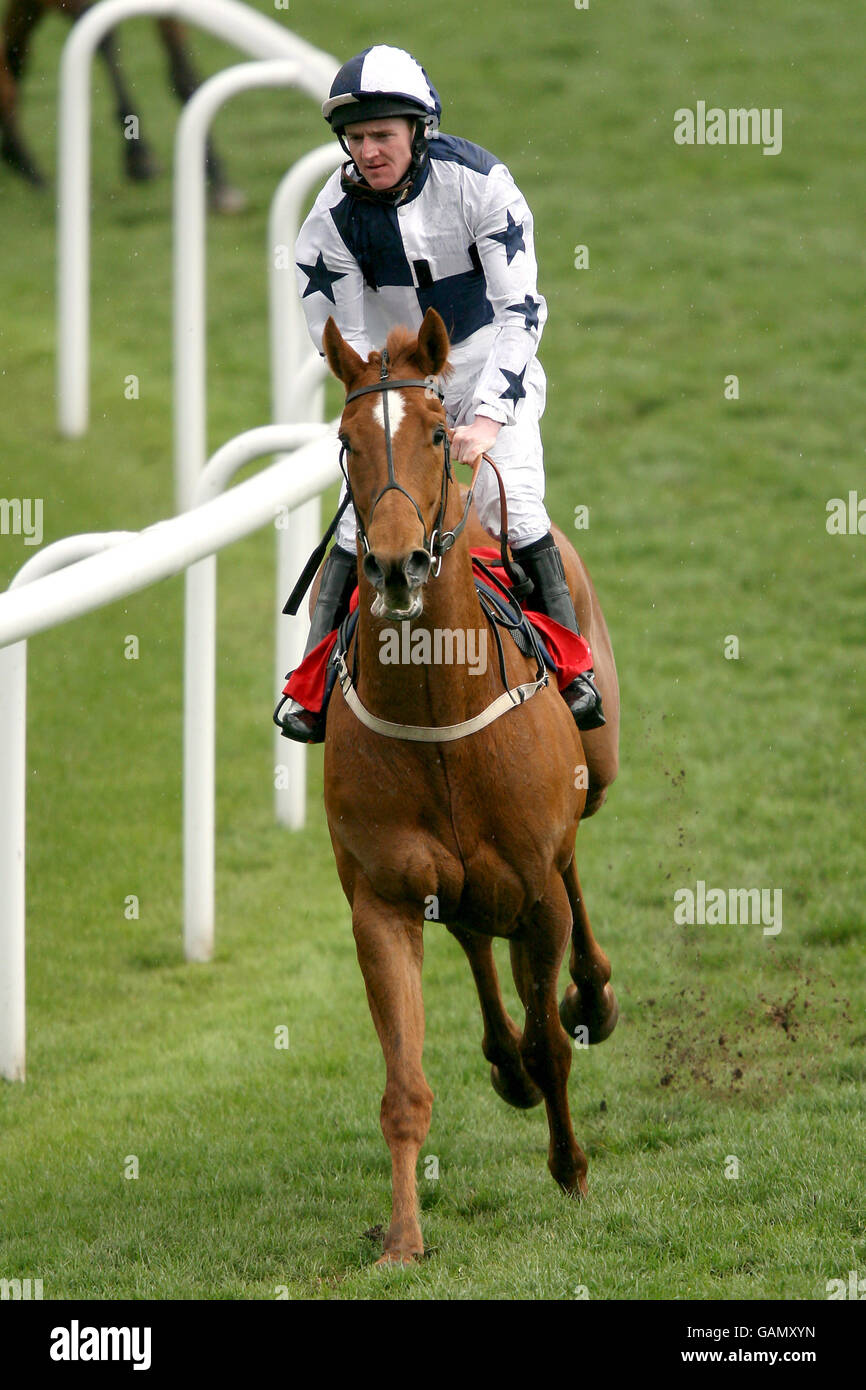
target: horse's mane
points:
(401, 342)
(402, 345)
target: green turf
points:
(261, 1169)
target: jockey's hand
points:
(468, 441)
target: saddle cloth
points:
(564, 652)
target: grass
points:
(261, 1168)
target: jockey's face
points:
(381, 149)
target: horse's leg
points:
(390, 947)
(19, 21)
(501, 1041)
(590, 1002)
(138, 159)
(184, 81)
(536, 955)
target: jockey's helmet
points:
(381, 82)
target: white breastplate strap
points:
(431, 733)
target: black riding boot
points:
(542, 563)
(339, 577)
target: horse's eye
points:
(439, 435)
(344, 440)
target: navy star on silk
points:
(511, 238)
(529, 309)
(515, 391)
(321, 278)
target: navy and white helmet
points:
(382, 81)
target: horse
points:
(475, 831)
(20, 19)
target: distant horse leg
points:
(19, 21)
(536, 955)
(138, 159)
(184, 78)
(390, 950)
(501, 1041)
(184, 81)
(590, 1002)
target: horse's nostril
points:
(373, 570)
(417, 567)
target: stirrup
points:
(299, 724)
(583, 698)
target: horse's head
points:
(396, 452)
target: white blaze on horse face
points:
(396, 410)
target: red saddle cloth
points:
(571, 653)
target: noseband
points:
(439, 541)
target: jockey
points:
(417, 218)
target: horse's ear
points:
(433, 345)
(344, 361)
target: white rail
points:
(235, 23)
(190, 245)
(296, 367)
(297, 370)
(297, 393)
(38, 600)
(13, 781)
(199, 713)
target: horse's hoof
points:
(571, 1181)
(516, 1088)
(599, 1021)
(399, 1258)
(579, 1189)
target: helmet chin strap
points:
(359, 188)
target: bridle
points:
(438, 542)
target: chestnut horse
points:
(479, 828)
(20, 18)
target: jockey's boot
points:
(339, 577)
(542, 563)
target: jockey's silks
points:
(461, 242)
